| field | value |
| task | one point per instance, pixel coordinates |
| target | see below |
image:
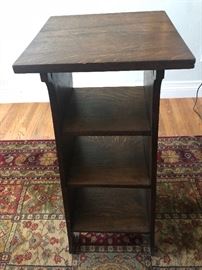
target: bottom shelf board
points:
(109, 161)
(110, 210)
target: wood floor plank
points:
(177, 117)
(25, 121)
(4, 112)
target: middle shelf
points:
(116, 161)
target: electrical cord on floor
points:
(196, 99)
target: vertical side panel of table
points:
(152, 88)
(60, 89)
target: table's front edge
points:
(115, 66)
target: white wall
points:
(21, 20)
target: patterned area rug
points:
(33, 230)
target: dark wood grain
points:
(108, 182)
(109, 161)
(107, 111)
(123, 41)
(110, 210)
(152, 87)
(59, 89)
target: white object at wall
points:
(21, 20)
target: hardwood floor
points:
(177, 117)
(33, 120)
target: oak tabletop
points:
(99, 42)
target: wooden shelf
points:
(116, 161)
(110, 210)
(107, 111)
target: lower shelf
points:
(110, 210)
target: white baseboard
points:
(33, 94)
(180, 89)
(38, 92)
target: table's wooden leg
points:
(60, 88)
(152, 86)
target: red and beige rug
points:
(33, 230)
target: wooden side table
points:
(106, 137)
